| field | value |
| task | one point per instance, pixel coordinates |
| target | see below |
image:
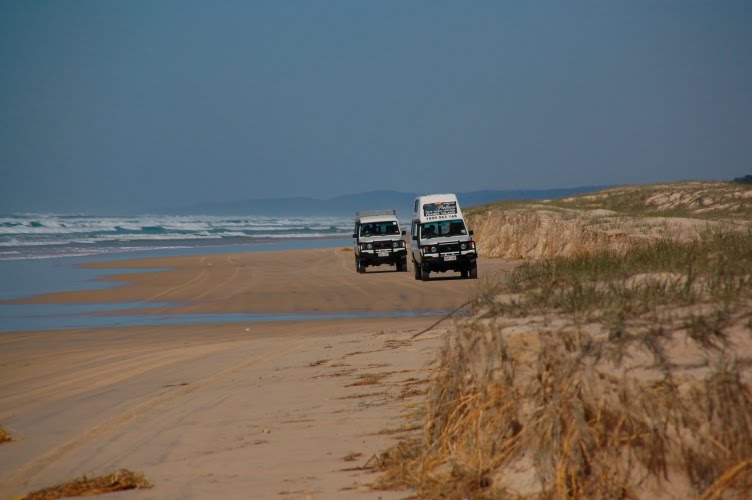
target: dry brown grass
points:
(397, 343)
(398, 430)
(368, 379)
(570, 381)
(411, 393)
(352, 456)
(363, 395)
(84, 486)
(341, 373)
(4, 436)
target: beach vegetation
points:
(368, 379)
(362, 395)
(352, 456)
(4, 436)
(121, 480)
(702, 200)
(601, 375)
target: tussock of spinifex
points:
(608, 375)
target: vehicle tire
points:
(361, 268)
(463, 273)
(424, 273)
(402, 266)
(416, 270)
(474, 271)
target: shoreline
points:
(287, 284)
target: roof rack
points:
(371, 213)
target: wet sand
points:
(294, 281)
(267, 410)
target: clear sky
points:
(131, 105)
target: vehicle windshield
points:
(442, 229)
(385, 228)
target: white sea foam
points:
(48, 235)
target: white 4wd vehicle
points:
(378, 240)
(440, 239)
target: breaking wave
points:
(28, 235)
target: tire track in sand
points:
(202, 275)
(105, 373)
(230, 260)
(32, 468)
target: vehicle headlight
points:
(395, 244)
(433, 249)
(369, 246)
(463, 246)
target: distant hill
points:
(348, 204)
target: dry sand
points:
(213, 410)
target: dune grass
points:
(565, 382)
(703, 200)
(612, 287)
(84, 486)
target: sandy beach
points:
(294, 282)
(287, 409)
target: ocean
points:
(43, 254)
(38, 236)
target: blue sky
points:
(109, 106)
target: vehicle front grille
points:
(449, 247)
(381, 245)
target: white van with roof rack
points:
(378, 240)
(441, 240)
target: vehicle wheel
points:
(463, 273)
(361, 268)
(416, 270)
(424, 273)
(402, 266)
(474, 271)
